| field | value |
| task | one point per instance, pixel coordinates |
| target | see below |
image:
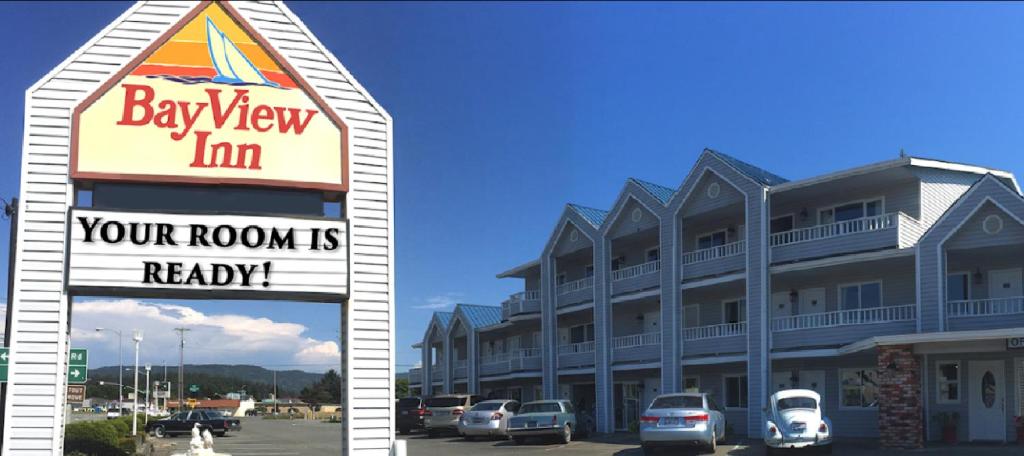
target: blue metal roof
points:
(662, 193)
(480, 316)
(759, 175)
(594, 216)
(444, 319)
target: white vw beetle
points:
(793, 420)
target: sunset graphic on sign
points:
(213, 48)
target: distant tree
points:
(401, 388)
(325, 391)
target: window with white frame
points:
(865, 295)
(947, 379)
(581, 333)
(734, 311)
(653, 254)
(736, 391)
(782, 224)
(958, 286)
(691, 384)
(851, 211)
(713, 239)
(858, 388)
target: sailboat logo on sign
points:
(213, 104)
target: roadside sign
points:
(191, 403)
(5, 358)
(78, 365)
(76, 393)
(162, 394)
(193, 388)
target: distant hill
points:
(289, 382)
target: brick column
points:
(900, 422)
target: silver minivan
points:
(488, 418)
(682, 419)
(443, 412)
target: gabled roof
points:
(659, 192)
(480, 316)
(758, 175)
(593, 216)
(966, 195)
(519, 270)
(444, 319)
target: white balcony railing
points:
(711, 253)
(576, 285)
(831, 230)
(985, 307)
(637, 340)
(650, 267)
(715, 331)
(833, 319)
(528, 295)
(495, 358)
(581, 347)
(529, 353)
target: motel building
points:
(892, 289)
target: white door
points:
(986, 401)
(814, 380)
(691, 315)
(812, 300)
(1004, 283)
(780, 304)
(781, 380)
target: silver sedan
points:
(682, 419)
(488, 419)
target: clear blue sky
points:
(505, 112)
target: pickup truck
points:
(183, 422)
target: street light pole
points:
(120, 364)
(137, 337)
(181, 366)
(148, 402)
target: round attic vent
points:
(637, 215)
(714, 189)
(992, 224)
(574, 235)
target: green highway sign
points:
(5, 358)
(193, 388)
(78, 365)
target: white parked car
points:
(794, 420)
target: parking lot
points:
(261, 437)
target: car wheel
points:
(713, 446)
(403, 431)
(519, 440)
(159, 432)
(566, 436)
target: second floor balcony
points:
(522, 360)
(575, 292)
(637, 348)
(580, 354)
(460, 369)
(721, 339)
(891, 230)
(636, 278)
(974, 314)
(437, 372)
(831, 329)
(415, 376)
(716, 260)
(524, 303)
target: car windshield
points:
(797, 402)
(675, 402)
(486, 407)
(541, 407)
(445, 401)
(409, 402)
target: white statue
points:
(201, 443)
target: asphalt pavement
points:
(260, 437)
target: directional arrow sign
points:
(78, 365)
(5, 358)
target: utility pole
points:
(181, 367)
(275, 392)
(137, 337)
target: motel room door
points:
(986, 401)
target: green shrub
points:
(93, 438)
(123, 425)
